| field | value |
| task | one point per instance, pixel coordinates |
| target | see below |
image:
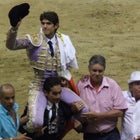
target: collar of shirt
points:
(130, 97)
(49, 108)
(50, 104)
(104, 83)
(53, 40)
(4, 110)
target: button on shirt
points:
(108, 97)
(131, 123)
(8, 128)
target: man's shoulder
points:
(35, 39)
(2, 107)
(62, 103)
(127, 94)
(64, 106)
(67, 90)
(84, 81)
(62, 36)
(3, 111)
(110, 80)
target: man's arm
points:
(69, 97)
(21, 137)
(12, 42)
(105, 115)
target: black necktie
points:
(53, 112)
(46, 117)
(51, 48)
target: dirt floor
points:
(107, 27)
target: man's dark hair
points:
(97, 59)
(50, 82)
(5, 86)
(51, 16)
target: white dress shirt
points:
(52, 126)
(49, 107)
(131, 122)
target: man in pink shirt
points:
(105, 101)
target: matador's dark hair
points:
(51, 16)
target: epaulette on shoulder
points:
(35, 39)
(60, 36)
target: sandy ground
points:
(107, 27)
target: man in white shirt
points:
(131, 123)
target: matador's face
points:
(48, 28)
